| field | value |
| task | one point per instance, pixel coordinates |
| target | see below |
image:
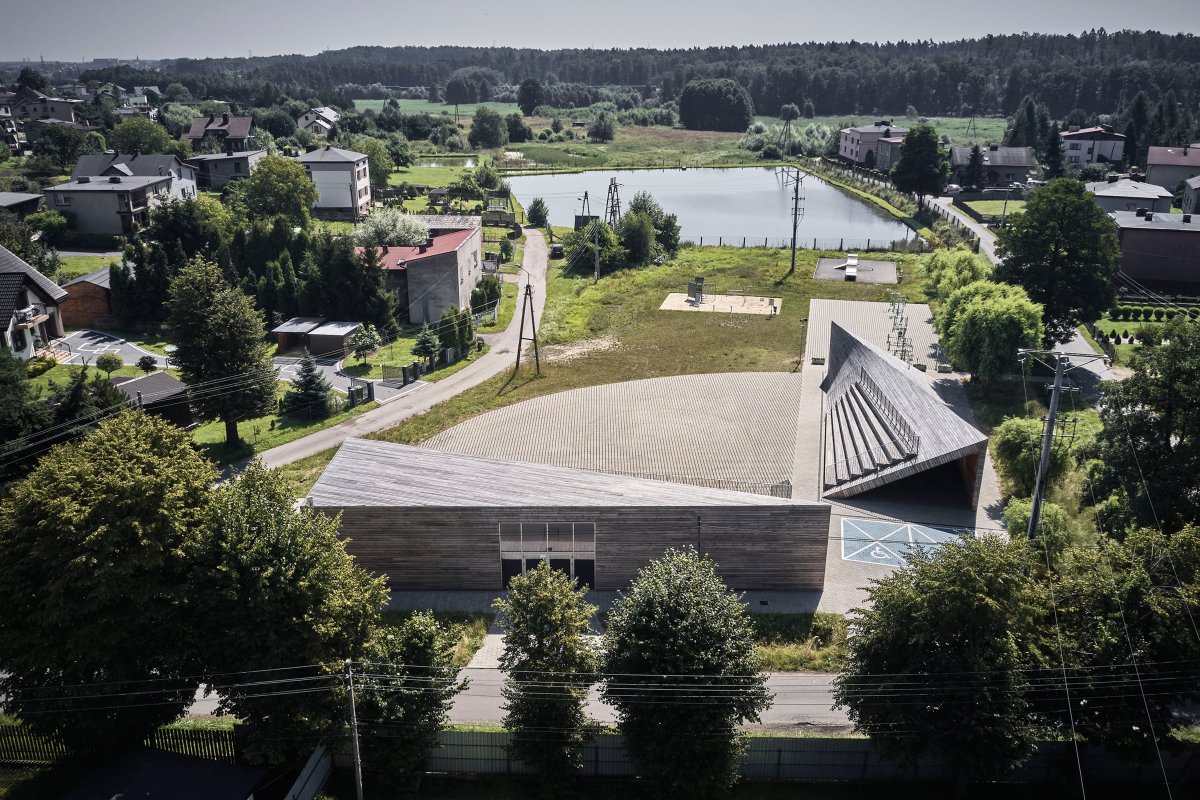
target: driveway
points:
(987, 239)
(87, 345)
(288, 367)
(416, 401)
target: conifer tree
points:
(310, 392)
(1052, 160)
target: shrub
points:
(1118, 313)
(147, 364)
(109, 363)
(1158, 314)
(1125, 334)
(39, 366)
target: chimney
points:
(229, 149)
(1073, 129)
(1141, 212)
(225, 119)
(85, 179)
(1112, 178)
(994, 147)
(1149, 216)
(211, 120)
(328, 146)
(1187, 219)
(114, 179)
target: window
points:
(569, 547)
(237, 166)
(1074, 146)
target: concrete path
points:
(987, 239)
(330, 367)
(498, 359)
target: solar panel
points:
(887, 542)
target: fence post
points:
(778, 763)
(743, 242)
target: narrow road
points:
(498, 359)
(987, 239)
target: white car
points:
(952, 188)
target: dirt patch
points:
(565, 352)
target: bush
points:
(1125, 334)
(1159, 313)
(538, 213)
(1016, 448)
(1118, 313)
(147, 364)
(39, 366)
(109, 363)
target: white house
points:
(343, 182)
(1092, 145)
(29, 318)
(318, 120)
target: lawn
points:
(655, 146)
(399, 353)
(995, 208)
(425, 176)
(74, 266)
(61, 374)
(508, 305)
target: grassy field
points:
(466, 110)
(640, 147)
(995, 208)
(800, 642)
(62, 374)
(426, 176)
(74, 266)
(987, 130)
(398, 353)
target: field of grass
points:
(987, 130)
(74, 266)
(61, 374)
(640, 147)
(425, 176)
(995, 208)
(465, 110)
(398, 353)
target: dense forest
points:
(1096, 72)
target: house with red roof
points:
(435, 275)
(1170, 166)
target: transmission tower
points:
(795, 177)
(587, 206)
(612, 206)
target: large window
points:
(568, 546)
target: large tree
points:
(221, 347)
(379, 159)
(280, 187)
(964, 609)
(21, 414)
(548, 661)
(97, 543)
(1150, 434)
(1052, 157)
(923, 168)
(715, 104)
(1063, 251)
(530, 95)
(487, 129)
(679, 632)
(141, 135)
(989, 326)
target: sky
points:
(77, 30)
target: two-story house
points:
(855, 143)
(215, 170)
(31, 104)
(318, 121)
(104, 165)
(1097, 145)
(232, 133)
(431, 277)
(1002, 166)
(117, 205)
(1170, 166)
(29, 318)
(343, 182)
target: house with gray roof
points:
(29, 315)
(1002, 166)
(1160, 250)
(104, 207)
(129, 165)
(343, 182)
(215, 170)
(1129, 195)
(20, 203)
(318, 121)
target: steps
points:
(859, 441)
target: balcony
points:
(30, 316)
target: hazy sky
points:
(87, 29)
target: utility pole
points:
(1062, 363)
(358, 790)
(527, 302)
(797, 181)
(612, 206)
(596, 251)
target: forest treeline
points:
(1096, 71)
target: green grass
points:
(425, 176)
(508, 305)
(793, 643)
(468, 627)
(303, 473)
(465, 110)
(655, 146)
(399, 353)
(988, 130)
(74, 266)
(62, 374)
(995, 208)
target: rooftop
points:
(336, 328)
(98, 278)
(220, 156)
(299, 325)
(125, 164)
(997, 157)
(401, 257)
(153, 387)
(329, 153)
(1127, 220)
(1093, 132)
(9, 199)
(381, 474)
(1128, 188)
(880, 127)
(111, 183)
(447, 221)
(10, 263)
(1186, 156)
(233, 127)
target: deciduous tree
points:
(1017, 446)
(487, 129)
(923, 168)
(141, 135)
(391, 227)
(280, 187)
(530, 95)
(715, 104)
(365, 340)
(987, 326)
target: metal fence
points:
(838, 244)
(19, 745)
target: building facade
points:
(432, 277)
(343, 182)
(215, 171)
(88, 300)
(29, 316)
(1191, 195)
(1170, 166)
(232, 133)
(1098, 145)
(1160, 250)
(1002, 166)
(113, 206)
(137, 165)
(855, 143)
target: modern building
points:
(318, 121)
(159, 394)
(1161, 251)
(214, 171)
(88, 301)
(182, 174)
(1002, 166)
(1170, 166)
(432, 277)
(1092, 145)
(232, 133)
(29, 317)
(1130, 195)
(433, 520)
(293, 333)
(20, 203)
(855, 143)
(343, 182)
(113, 206)
(1191, 195)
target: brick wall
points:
(84, 305)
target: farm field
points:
(426, 107)
(986, 129)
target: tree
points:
(1056, 529)
(426, 344)
(97, 543)
(18, 239)
(637, 237)
(485, 297)
(219, 337)
(666, 226)
(30, 78)
(21, 414)
(1063, 250)
(974, 175)
(379, 159)
(197, 225)
(530, 95)
(62, 146)
(141, 135)
(1016, 445)
(988, 327)
(274, 586)
(789, 112)
(147, 364)
(391, 227)
(715, 104)
(923, 168)
(109, 363)
(581, 247)
(1150, 433)
(948, 270)
(365, 340)
(1052, 158)
(538, 213)
(310, 393)
(602, 128)
(966, 608)
(280, 187)
(678, 630)
(487, 129)
(548, 664)
(518, 130)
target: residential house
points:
(104, 165)
(6, 104)
(1129, 195)
(233, 133)
(855, 143)
(1160, 250)
(432, 277)
(74, 90)
(159, 394)
(29, 318)
(887, 152)
(1002, 166)
(318, 121)
(147, 90)
(1191, 195)
(1097, 145)
(343, 182)
(20, 203)
(214, 171)
(88, 301)
(118, 205)
(10, 137)
(1170, 166)
(31, 104)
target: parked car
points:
(952, 188)
(556, 250)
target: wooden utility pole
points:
(527, 302)
(358, 786)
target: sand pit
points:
(724, 304)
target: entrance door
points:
(563, 565)
(585, 572)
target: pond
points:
(725, 205)
(443, 161)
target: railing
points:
(883, 406)
(877, 454)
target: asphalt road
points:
(498, 359)
(87, 346)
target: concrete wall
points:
(436, 283)
(1161, 257)
(1092, 150)
(1162, 204)
(1169, 177)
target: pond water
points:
(445, 162)
(727, 205)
